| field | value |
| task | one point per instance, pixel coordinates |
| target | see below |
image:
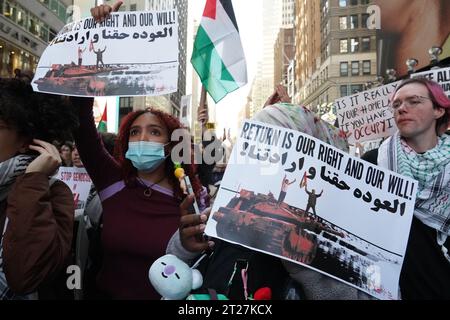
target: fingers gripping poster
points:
(310, 203)
(128, 54)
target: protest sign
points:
(128, 54)
(79, 183)
(439, 75)
(293, 196)
(366, 115)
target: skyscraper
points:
(263, 84)
(335, 51)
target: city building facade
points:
(26, 27)
(335, 51)
(284, 52)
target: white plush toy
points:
(173, 278)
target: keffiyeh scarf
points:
(432, 170)
(299, 118)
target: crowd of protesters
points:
(137, 210)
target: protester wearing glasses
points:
(421, 150)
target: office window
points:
(343, 46)
(342, 3)
(344, 69)
(125, 107)
(365, 46)
(364, 18)
(355, 88)
(353, 21)
(344, 91)
(366, 67)
(354, 45)
(342, 23)
(355, 68)
(126, 103)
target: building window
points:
(365, 2)
(342, 23)
(355, 88)
(365, 44)
(344, 91)
(126, 103)
(342, 3)
(366, 67)
(325, 7)
(353, 21)
(343, 46)
(355, 68)
(353, 2)
(364, 18)
(132, 7)
(354, 45)
(125, 107)
(344, 69)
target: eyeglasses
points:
(410, 102)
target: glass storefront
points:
(12, 57)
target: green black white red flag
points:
(218, 56)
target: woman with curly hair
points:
(139, 193)
(138, 190)
(36, 213)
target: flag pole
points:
(203, 105)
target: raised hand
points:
(202, 116)
(48, 161)
(101, 12)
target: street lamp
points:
(434, 53)
(412, 63)
(391, 74)
(380, 80)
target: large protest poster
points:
(79, 182)
(290, 195)
(129, 54)
(366, 116)
(439, 75)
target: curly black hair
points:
(36, 115)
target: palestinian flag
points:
(102, 127)
(304, 181)
(218, 56)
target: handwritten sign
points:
(441, 76)
(128, 54)
(79, 182)
(293, 196)
(366, 115)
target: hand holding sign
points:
(101, 12)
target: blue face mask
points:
(146, 156)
